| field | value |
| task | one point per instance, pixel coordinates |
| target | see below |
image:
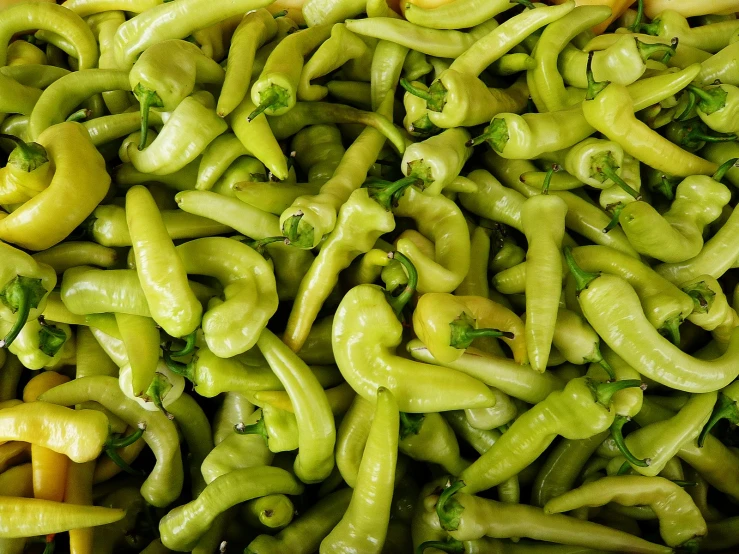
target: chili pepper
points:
(272, 197)
(455, 15)
(166, 73)
(22, 52)
(290, 263)
(256, 133)
(507, 375)
(254, 30)
(354, 93)
(416, 120)
(277, 428)
(681, 227)
(309, 218)
(361, 221)
(26, 517)
(78, 188)
(41, 345)
(63, 95)
(17, 481)
(721, 66)
(71, 254)
(56, 19)
(305, 533)
(273, 511)
(693, 135)
(318, 151)
(18, 98)
(683, 57)
(141, 339)
(195, 427)
(468, 517)
(533, 431)
(164, 483)
(351, 438)
(659, 442)
(687, 9)
(246, 171)
(364, 525)
(448, 324)
(596, 294)
(217, 158)
(183, 526)
(475, 282)
(717, 106)
(311, 113)
(709, 37)
(680, 520)
(437, 160)
(164, 21)
(502, 413)
(274, 92)
(386, 67)
(429, 438)
(173, 305)
(342, 46)
(9, 378)
(34, 75)
(324, 12)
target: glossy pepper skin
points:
(232, 326)
(364, 525)
(183, 526)
(361, 221)
(679, 518)
(164, 483)
(468, 517)
(429, 438)
(579, 411)
(30, 226)
(27, 172)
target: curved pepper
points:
(232, 326)
(271, 512)
(318, 151)
(41, 345)
(77, 188)
(277, 428)
(164, 483)
(710, 37)
(447, 325)
(27, 173)
(364, 525)
(680, 521)
(429, 438)
(454, 15)
(183, 526)
(718, 107)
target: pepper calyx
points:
(188, 348)
(463, 331)
(496, 134)
(410, 424)
(724, 168)
(185, 370)
(20, 294)
(398, 302)
(273, 97)
(26, 156)
(387, 194)
(435, 96)
(702, 295)
(604, 167)
(296, 233)
(603, 392)
(51, 339)
(709, 100)
(616, 210)
(726, 408)
(671, 330)
(156, 391)
(258, 428)
(594, 87)
(147, 99)
(646, 51)
(448, 508)
(582, 278)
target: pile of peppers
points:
(369, 277)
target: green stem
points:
(448, 508)
(399, 302)
(652, 28)
(710, 101)
(681, 483)
(548, 179)
(647, 50)
(257, 428)
(50, 545)
(121, 463)
(291, 229)
(724, 168)
(726, 408)
(26, 156)
(185, 370)
(463, 332)
(604, 391)
(607, 169)
(410, 424)
(388, 194)
(147, 99)
(21, 295)
(189, 347)
(618, 208)
(496, 134)
(273, 97)
(702, 296)
(121, 442)
(450, 545)
(636, 26)
(582, 278)
(261, 244)
(624, 469)
(618, 437)
(80, 115)
(51, 338)
(671, 330)
(687, 113)
(415, 91)
(594, 87)
(601, 361)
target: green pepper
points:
(38, 345)
(499, 415)
(709, 37)
(217, 157)
(351, 438)
(429, 438)
(416, 120)
(718, 106)
(19, 98)
(361, 221)
(455, 15)
(721, 66)
(318, 151)
(364, 525)
(271, 512)
(183, 526)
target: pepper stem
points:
(186, 370)
(496, 134)
(388, 194)
(666, 187)
(608, 171)
(725, 408)
(671, 330)
(709, 101)
(702, 296)
(724, 168)
(618, 437)
(296, 237)
(80, 115)
(618, 207)
(450, 545)
(415, 91)
(21, 295)
(157, 390)
(604, 391)
(26, 156)
(548, 178)
(257, 428)
(121, 442)
(121, 463)
(189, 347)
(594, 87)
(582, 278)
(646, 51)
(601, 361)
(261, 244)
(399, 302)
(51, 338)
(687, 113)
(273, 97)
(279, 14)
(147, 99)
(410, 424)
(635, 27)
(448, 508)
(624, 469)
(463, 332)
